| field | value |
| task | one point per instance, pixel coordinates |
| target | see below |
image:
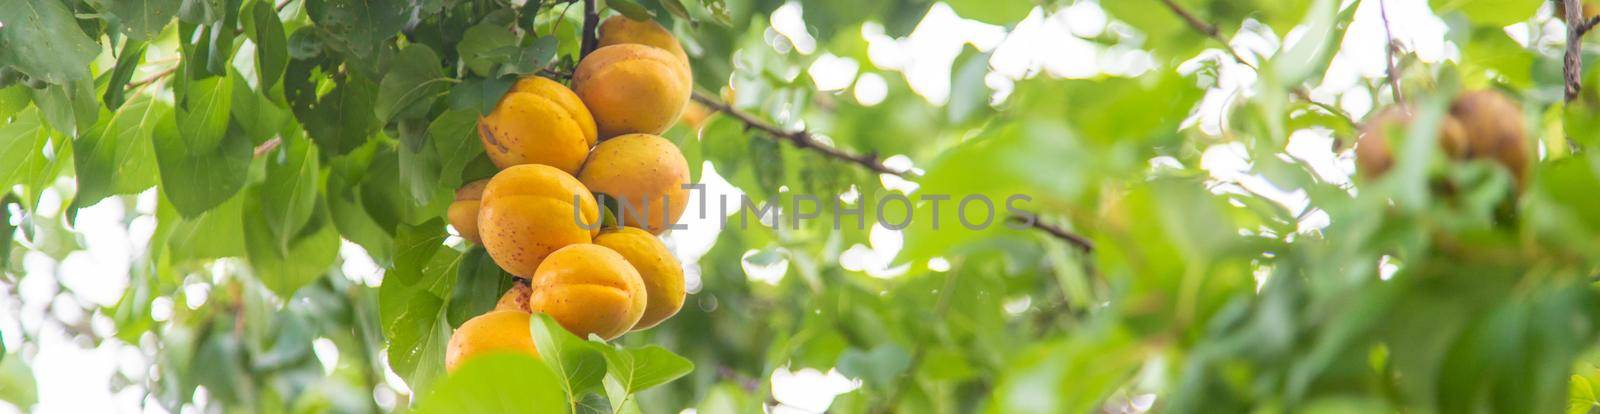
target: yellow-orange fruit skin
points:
(528, 211)
(695, 115)
(496, 331)
(1374, 154)
(463, 213)
(515, 299)
(621, 29)
(589, 289)
(646, 174)
(538, 121)
(660, 271)
(632, 88)
(1495, 130)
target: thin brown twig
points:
(804, 139)
(1572, 67)
(267, 146)
(800, 138)
(1212, 32)
(1391, 72)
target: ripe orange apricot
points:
(539, 121)
(463, 213)
(1374, 155)
(496, 331)
(632, 88)
(1495, 130)
(589, 289)
(645, 174)
(529, 211)
(620, 29)
(515, 298)
(661, 272)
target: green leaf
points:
(308, 256)
(1004, 13)
(631, 9)
(196, 180)
(479, 95)
(1299, 60)
(289, 194)
(203, 112)
(214, 234)
(144, 19)
(115, 157)
(578, 365)
(639, 369)
(479, 284)
(127, 62)
(255, 114)
(1495, 13)
(22, 145)
(454, 135)
(485, 45)
(272, 46)
(43, 40)
(413, 318)
(17, 385)
(358, 27)
(342, 119)
(880, 368)
(415, 247)
(497, 383)
(71, 108)
(413, 82)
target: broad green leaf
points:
(115, 157)
(214, 234)
(342, 119)
(479, 284)
(497, 383)
(414, 321)
(485, 45)
(631, 9)
(289, 193)
(203, 113)
(1299, 60)
(454, 135)
(413, 82)
(639, 369)
(71, 108)
(479, 95)
(880, 368)
(144, 19)
(195, 180)
(272, 45)
(128, 61)
(22, 144)
(415, 248)
(578, 364)
(43, 40)
(255, 114)
(1004, 13)
(17, 385)
(358, 27)
(1495, 13)
(309, 255)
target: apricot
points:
(632, 88)
(695, 115)
(620, 29)
(463, 213)
(661, 272)
(589, 289)
(645, 174)
(1494, 129)
(515, 298)
(539, 121)
(1589, 10)
(496, 331)
(530, 210)
(1374, 155)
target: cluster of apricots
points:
(1480, 125)
(538, 217)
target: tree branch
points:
(1572, 67)
(801, 138)
(804, 139)
(591, 20)
(1212, 32)
(1391, 72)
